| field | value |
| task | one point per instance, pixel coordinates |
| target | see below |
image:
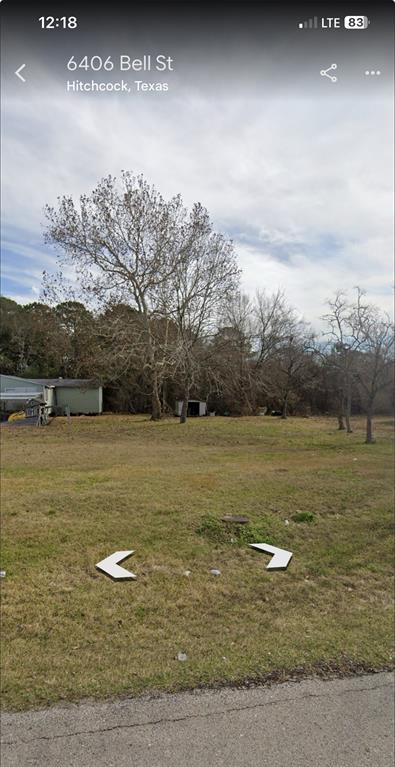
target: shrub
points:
(304, 516)
(213, 529)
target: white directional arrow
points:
(18, 73)
(110, 566)
(281, 558)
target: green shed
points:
(82, 396)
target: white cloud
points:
(304, 186)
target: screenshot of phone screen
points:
(196, 400)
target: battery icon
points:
(356, 22)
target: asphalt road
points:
(338, 723)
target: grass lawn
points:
(73, 495)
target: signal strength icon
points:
(309, 24)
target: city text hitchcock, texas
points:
(118, 86)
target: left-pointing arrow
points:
(110, 566)
(18, 73)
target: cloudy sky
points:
(297, 172)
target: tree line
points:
(147, 300)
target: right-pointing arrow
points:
(18, 73)
(280, 559)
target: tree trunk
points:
(246, 406)
(184, 409)
(165, 407)
(156, 413)
(156, 407)
(369, 426)
(340, 415)
(284, 413)
(348, 412)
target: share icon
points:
(324, 73)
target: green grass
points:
(72, 496)
(304, 516)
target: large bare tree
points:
(124, 242)
(128, 245)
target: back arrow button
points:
(18, 73)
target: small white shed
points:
(196, 407)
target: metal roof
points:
(19, 378)
(69, 383)
(19, 394)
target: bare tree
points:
(231, 367)
(292, 368)
(344, 345)
(275, 321)
(205, 275)
(374, 334)
(124, 244)
(262, 353)
(282, 341)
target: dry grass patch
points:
(73, 496)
